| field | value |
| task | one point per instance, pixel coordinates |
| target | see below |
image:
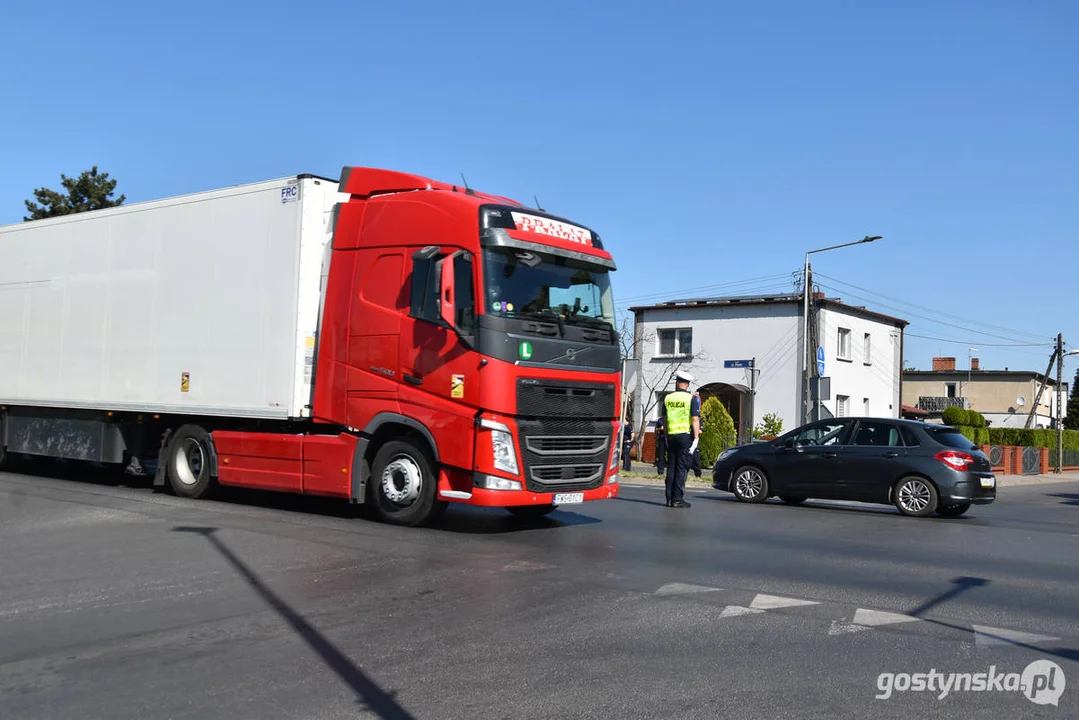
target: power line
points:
(969, 321)
(923, 317)
(971, 342)
(769, 279)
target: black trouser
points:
(661, 454)
(627, 449)
(678, 465)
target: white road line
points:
(736, 610)
(874, 618)
(989, 636)
(684, 589)
(774, 602)
(842, 628)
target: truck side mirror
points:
(446, 292)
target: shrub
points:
(968, 432)
(976, 419)
(996, 436)
(717, 431)
(955, 416)
(981, 436)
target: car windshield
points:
(526, 283)
(951, 438)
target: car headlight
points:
(504, 451)
(726, 454)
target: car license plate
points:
(568, 498)
(989, 482)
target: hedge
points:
(1032, 437)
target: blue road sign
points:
(737, 363)
(820, 360)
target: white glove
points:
(693, 446)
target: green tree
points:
(717, 431)
(89, 191)
(771, 424)
(1071, 419)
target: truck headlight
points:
(504, 455)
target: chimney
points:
(974, 364)
(943, 364)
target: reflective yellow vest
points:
(677, 405)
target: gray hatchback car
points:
(921, 468)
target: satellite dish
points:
(1020, 401)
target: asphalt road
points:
(119, 603)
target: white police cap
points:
(683, 376)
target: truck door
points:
(439, 373)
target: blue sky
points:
(709, 143)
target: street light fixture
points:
(805, 318)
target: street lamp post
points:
(805, 319)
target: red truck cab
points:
(469, 344)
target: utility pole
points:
(1060, 424)
(1041, 387)
(807, 283)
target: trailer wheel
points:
(403, 484)
(188, 462)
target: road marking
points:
(736, 610)
(874, 618)
(989, 636)
(840, 628)
(774, 602)
(684, 589)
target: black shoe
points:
(680, 504)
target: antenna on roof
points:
(537, 204)
(468, 190)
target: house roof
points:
(975, 374)
(835, 304)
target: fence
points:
(1016, 460)
(1071, 459)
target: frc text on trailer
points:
(385, 338)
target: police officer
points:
(683, 415)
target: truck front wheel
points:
(403, 484)
(188, 458)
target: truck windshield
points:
(523, 283)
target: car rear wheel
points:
(916, 497)
(951, 511)
(750, 484)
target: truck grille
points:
(567, 444)
(565, 399)
(562, 455)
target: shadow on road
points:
(368, 693)
(1067, 498)
(963, 584)
(641, 502)
(495, 521)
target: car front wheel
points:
(750, 484)
(916, 497)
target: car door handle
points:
(413, 379)
(831, 455)
(891, 454)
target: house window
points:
(867, 350)
(949, 389)
(675, 341)
(865, 407)
(842, 405)
(844, 343)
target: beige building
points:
(1005, 397)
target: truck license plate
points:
(568, 498)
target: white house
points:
(717, 339)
